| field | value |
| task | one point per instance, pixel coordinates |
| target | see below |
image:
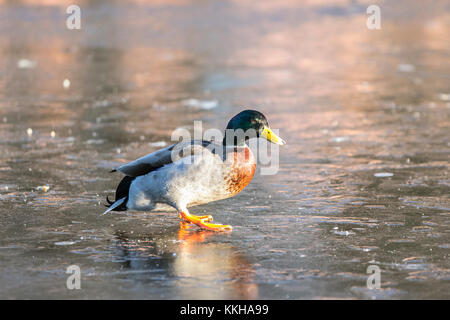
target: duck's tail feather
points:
(117, 205)
(109, 201)
(121, 196)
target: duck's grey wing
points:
(167, 155)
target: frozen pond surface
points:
(364, 179)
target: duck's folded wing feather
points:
(162, 157)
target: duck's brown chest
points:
(241, 169)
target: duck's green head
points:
(253, 124)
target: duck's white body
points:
(200, 175)
(187, 182)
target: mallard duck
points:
(190, 173)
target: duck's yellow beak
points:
(271, 136)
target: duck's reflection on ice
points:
(190, 262)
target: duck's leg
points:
(202, 222)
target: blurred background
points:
(363, 181)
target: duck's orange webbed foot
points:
(202, 222)
(207, 218)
